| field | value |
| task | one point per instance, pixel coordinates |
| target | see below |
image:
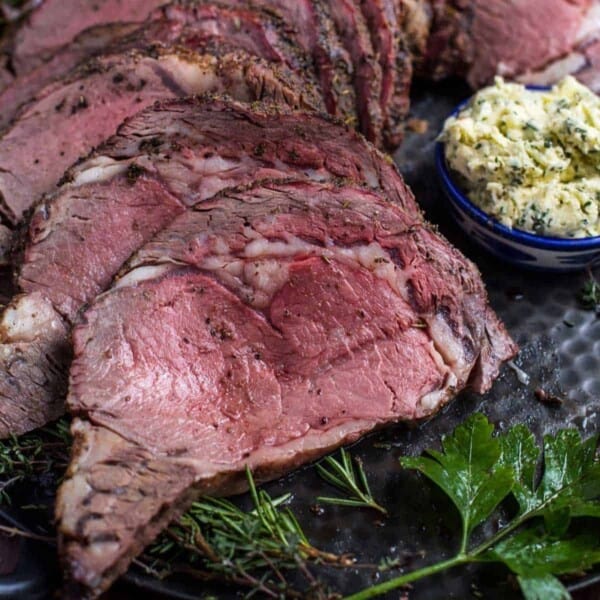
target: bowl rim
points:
(519, 235)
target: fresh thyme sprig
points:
(589, 296)
(348, 475)
(253, 548)
(39, 452)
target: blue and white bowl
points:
(513, 245)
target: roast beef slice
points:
(199, 26)
(384, 20)
(354, 34)
(262, 329)
(71, 117)
(168, 157)
(53, 24)
(479, 39)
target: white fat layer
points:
(448, 346)
(141, 274)
(260, 247)
(590, 24)
(192, 77)
(555, 71)
(99, 169)
(265, 278)
(430, 402)
(371, 256)
(26, 318)
(260, 274)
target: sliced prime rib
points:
(258, 28)
(582, 61)
(354, 34)
(478, 39)
(384, 20)
(53, 24)
(201, 27)
(32, 366)
(91, 42)
(310, 23)
(416, 16)
(262, 329)
(70, 117)
(172, 155)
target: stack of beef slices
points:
(282, 295)
(264, 297)
(356, 51)
(114, 57)
(218, 282)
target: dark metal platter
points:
(560, 351)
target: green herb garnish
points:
(478, 470)
(254, 548)
(42, 451)
(348, 475)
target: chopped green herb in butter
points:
(531, 159)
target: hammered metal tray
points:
(560, 352)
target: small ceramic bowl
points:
(513, 245)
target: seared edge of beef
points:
(33, 367)
(70, 117)
(352, 30)
(241, 18)
(158, 489)
(388, 39)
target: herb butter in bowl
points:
(521, 168)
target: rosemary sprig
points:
(589, 296)
(32, 454)
(253, 548)
(348, 475)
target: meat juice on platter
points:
(210, 284)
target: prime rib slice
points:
(168, 157)
(72, 116)
(201, 27)
(91, 42)
(353, 31)
(385, 20)
(582, 61)
(53, 24)
(264, 328)
(478, 39)
(237, 22)
(310, 23)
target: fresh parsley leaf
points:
(521, 453)
(545, 587)
(469, 470)
(533, 552)
(552, 486)
(569, 470)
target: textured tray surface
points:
(560, 352)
